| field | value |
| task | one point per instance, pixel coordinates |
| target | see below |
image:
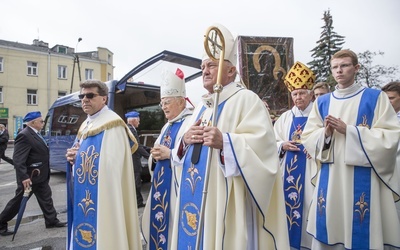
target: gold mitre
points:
(299, 77)
(231, 50)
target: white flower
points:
(162, 239)
(296, 214)
(290, 178)
(156, 195)
(159, 216)
(292, 196)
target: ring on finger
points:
(193, 136)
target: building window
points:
(109, 77)
(62, 72)
(1, 64)
(61, 93)
(1, 94)
(62, 50)
(88, 74)
(32, 97)
(109, 59)
(32, 68)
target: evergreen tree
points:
(327, 45)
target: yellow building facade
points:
(33, 76)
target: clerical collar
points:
(94, 116)
(185, 112)
(302, 113)
(349, 91)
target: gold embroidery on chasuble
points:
(191, 219)
(192, 170)
(88, 236)
(87, 173)
(362, 209)
(84, 133)
(364, 122)
(194, 177)
(86, 203)
(191, 225)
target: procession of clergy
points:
(339, 191)
(323, 176)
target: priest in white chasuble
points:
(158, 215)
(101, 198)
(244, 206)
(296, 164)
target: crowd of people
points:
(325, 185)
(324, 175)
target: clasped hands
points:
(332, 124)
(208, 136)
(160, 152)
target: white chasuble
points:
(353, 202)
(102, 211)
(298, 168)
(158, 215)
(243, 211)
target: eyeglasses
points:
(166, 102)
(41, 121)
(88, 95)
(341, 66)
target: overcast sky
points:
(136, 30)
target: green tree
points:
(327, 45)
(373, 75)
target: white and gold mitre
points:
(299, 77)
(172, 84)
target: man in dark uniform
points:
(3, 144)
(31, 152)
(133, 121)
